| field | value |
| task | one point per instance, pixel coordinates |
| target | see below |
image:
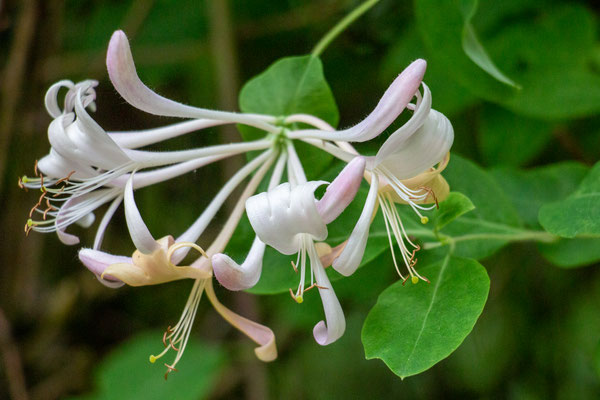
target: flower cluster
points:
(88, 167)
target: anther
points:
(297, 299)
(294, 266)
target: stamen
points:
(181, 332)
(169, 369)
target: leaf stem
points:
(512, 237)
(341, 26)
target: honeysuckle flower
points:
(289, 219)
(157, 267)
(88, 167)
(154, 263)
(403, 170)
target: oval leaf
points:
(413, 327)
(578, 214)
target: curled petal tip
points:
(98, 261)
(239, 277)
(227, 272)
(342, 190)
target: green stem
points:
(511, 237)
(341, 26)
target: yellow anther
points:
(414, 280)
(424, 220)
(153, 359)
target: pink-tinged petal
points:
(392, 103)
(124, 77)
(239, 277)
(330, 330)
(97, 261)
(257, 332)
(428, 146)
(139, 232)
(397, 140)
(283, 214)
(350, 258)
(342, 190)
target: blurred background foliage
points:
(64, 335)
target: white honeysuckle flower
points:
(87, 167)
(403, 171)
(290, 219)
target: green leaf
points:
(442, 26)
(530, 190)
(493, 214)
(450, 97)
(532, 43)
(538, 51)
(413, 327)
(292, 85)
(597, 360)
(507, 138)
(126, 373)
(578, 214)
(455, 205)
(473, 47)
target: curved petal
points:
(76, 209)
(392, 103)
(330, 330)
(51, 98)
(140, 235)
(97, 261)
(122, 73)
(257, 332)
(239, 277)
(397, 140)
(135, 139)
(56, 166)
(155, 268)
(425, 148)
(342, 190)
(91, 139)
(282, 214)
(350, 258)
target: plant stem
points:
(341, 26)
(511, 237)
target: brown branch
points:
(12, 361)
